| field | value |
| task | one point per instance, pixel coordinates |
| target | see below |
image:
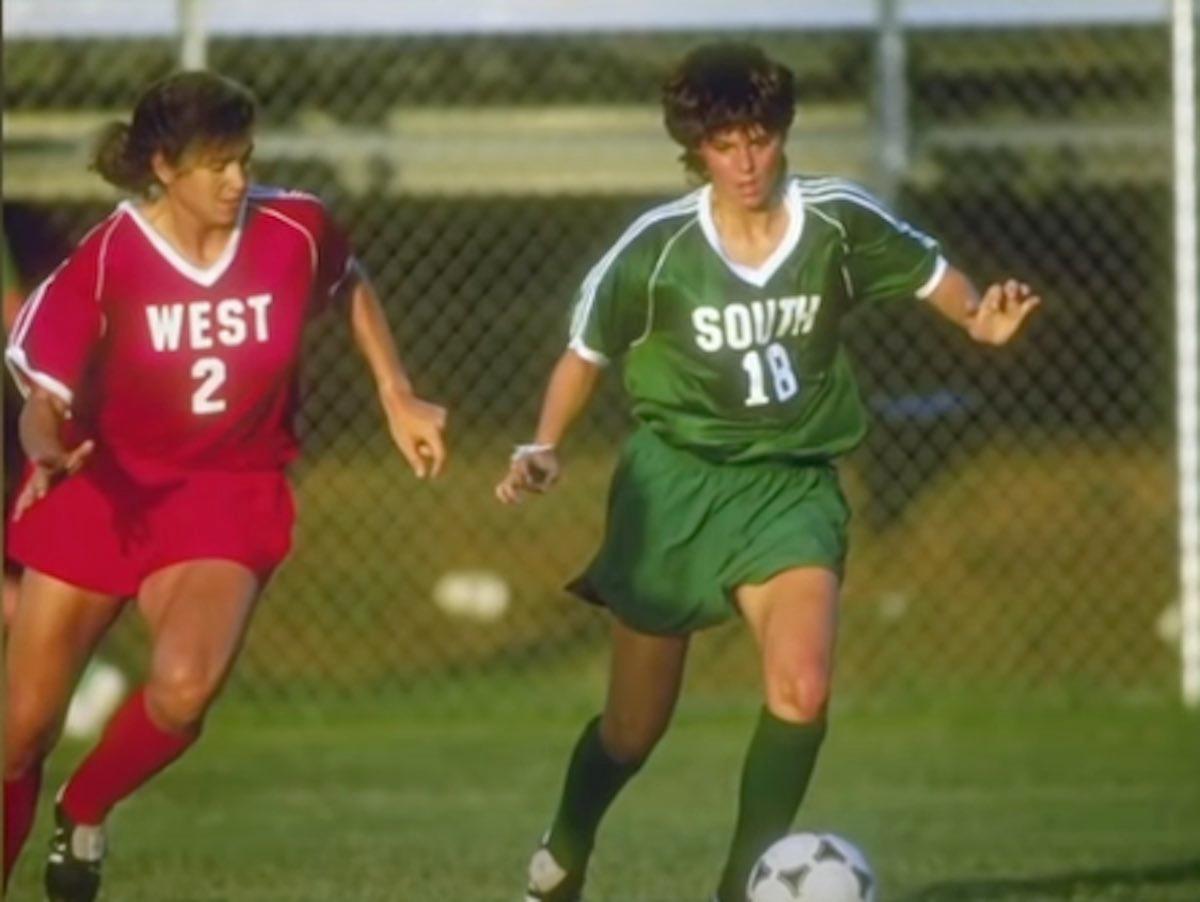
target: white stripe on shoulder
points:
(662, 259)
(833, 183)
(29, 309)
(684, 206)
(102, 257)
(852, 194)
(270, 192)
(821, 214)
(860, 198)
(308, 236)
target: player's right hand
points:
(48, 470)
(532, 472)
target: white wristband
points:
(520, 452)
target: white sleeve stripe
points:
(270, 192)
(591, 356)
(839, 189)
(22, 315)
(931, 284)
(24, 374)
(350, 269)
(662, 259)
(308, 236)
(899, 225)
(820, 190)
(861, 200)
(595, 276)
(841, 186)
(587, 294)
(28, 311)
(841, 229)
(100, 261)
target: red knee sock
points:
(20, 805)
(132, 750)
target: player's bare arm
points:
(41, 427)
(416, 425)
(992, 319)
(535, 467)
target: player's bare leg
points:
(12, 591)
(198, 612)
(54, 628)
(793, 617)
(645, 675)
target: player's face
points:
(210, 182)
(744, 164)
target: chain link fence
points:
(1014, 513)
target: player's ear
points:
(163, 171)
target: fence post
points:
(193, 39)
(891, 100)
(1186, 347)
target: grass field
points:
(982, 801)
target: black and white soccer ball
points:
(811, 867)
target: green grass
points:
(987, 802)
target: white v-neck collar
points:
(206, 276)
(757, 276)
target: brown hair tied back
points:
(174, 115)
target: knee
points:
(178, 696)
(629, 738)
(799, 694)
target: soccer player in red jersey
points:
(14, 457)
(160, 366)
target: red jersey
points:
(171, 367)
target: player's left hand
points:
(1000, 314)
(417, 426)
(533, 469)
(49, 469)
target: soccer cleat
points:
(549, 881)
(73, 865)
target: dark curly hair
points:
(176, 114)
(725, 85)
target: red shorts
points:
(98, 531)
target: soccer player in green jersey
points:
(726, 307)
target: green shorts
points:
(684, 533)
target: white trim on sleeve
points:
(352, 268)
(24, 373)
(588, 354)
(939, 272)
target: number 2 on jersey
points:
(782, 375)
(211, 370)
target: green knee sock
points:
(775, 775)
(593, 781)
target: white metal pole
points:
(1187, 348)
(193, 39)
(891, 98)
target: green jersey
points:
(739, 363)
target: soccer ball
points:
(811, 867)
